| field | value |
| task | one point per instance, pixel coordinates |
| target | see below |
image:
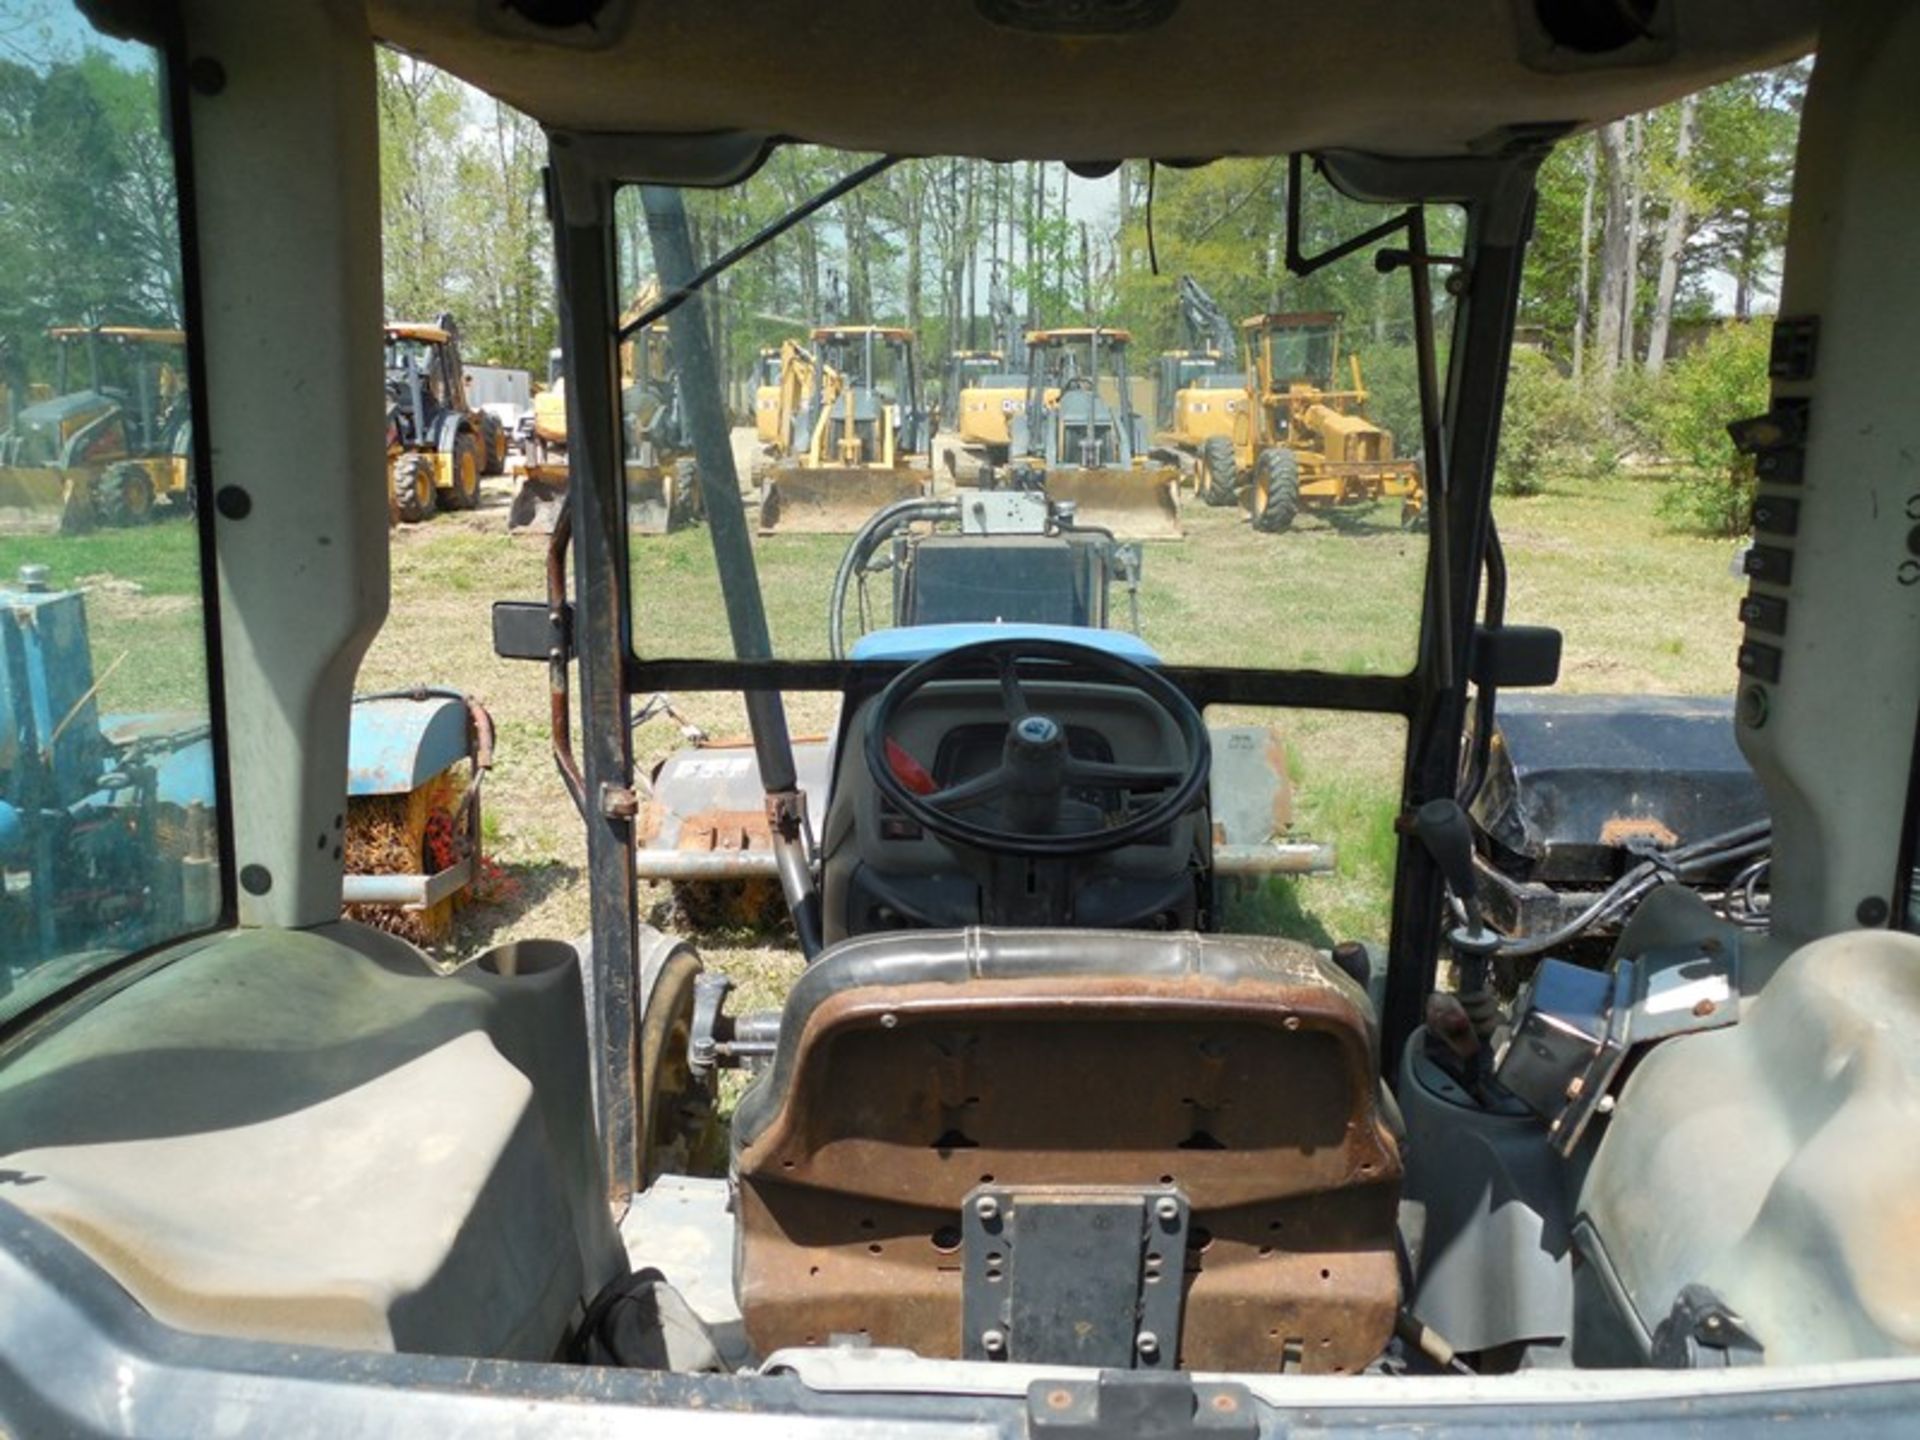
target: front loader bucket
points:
(834, 499)
(1140, 503)
(44, 501)
(536, 504)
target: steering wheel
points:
(1036, 768)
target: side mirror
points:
(525, 630)
(1516, 657)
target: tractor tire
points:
(683, 504)
(123, 495)
(464, 460)
(493, 444)
(677, 1112)
(1219, 472)
(410, 491)
(1276, 490)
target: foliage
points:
(1549, 429)
(88, 221)
(1735, 185)
(1722, 379)
(463, 229)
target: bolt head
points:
(987, 1208)
(1167, 1208)
(994, 1342)
(1147, 1343)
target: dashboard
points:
(882, 871)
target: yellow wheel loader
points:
(438, 445)
(1081, 440)
(866, 441)
(1300, 443)
(108, 442)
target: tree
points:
(1677, 182)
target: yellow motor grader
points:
(857, 438)
(1300, 443)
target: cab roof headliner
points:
(973, 77)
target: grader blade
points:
(1135, 504)
(44, 501)
(536, 504)
(833, 500)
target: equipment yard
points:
(1352, 570)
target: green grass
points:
(1643, 608)
(143, 610)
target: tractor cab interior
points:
(1039, 1134)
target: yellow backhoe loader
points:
(857, 438)
(1081, 440)
(108, 442)
(662, 481)
(438, 444)
(1199, 397)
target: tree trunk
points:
(1029, 218)
(1616, 259)
(1583, 301)
(914, 197)
(1630, 296)
(1673, 239)
(1744, 267)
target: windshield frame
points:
(1495, 194)
(168, 41)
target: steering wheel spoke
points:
(980, 790)
(1036, 769)
(1102, 775)
(1012, 696)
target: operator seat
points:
(916, 1066)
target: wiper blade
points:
(673, 299)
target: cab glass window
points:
(1196, 443)
(109, 843)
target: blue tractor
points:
(108, 835)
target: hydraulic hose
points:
(879, 527)
(1742, 843)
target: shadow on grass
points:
(508, 893)
(1271, 907)
(1359, 519)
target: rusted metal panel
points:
(706, 816)
(1254, 1096)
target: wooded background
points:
(1649, 233)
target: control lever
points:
(1441, 826)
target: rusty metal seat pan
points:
(913, 1067)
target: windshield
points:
(1252, 528)
(109, 842)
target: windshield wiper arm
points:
(673, 299)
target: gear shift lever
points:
(1441, 826)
